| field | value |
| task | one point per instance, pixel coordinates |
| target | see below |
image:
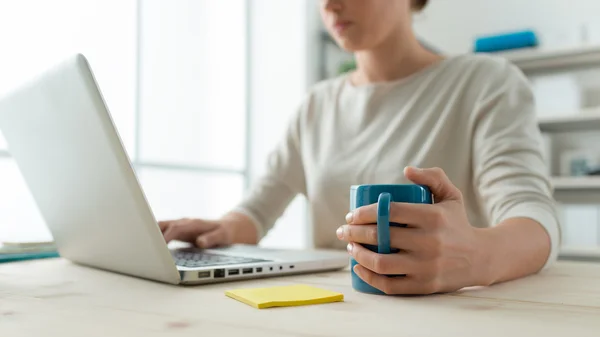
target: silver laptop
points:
(63, 139)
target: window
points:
(3, 145)
(193, 85)
(33, 39)
(176, 80)
(192, 122)
(19, 217)
(279, 76)
(177, 193)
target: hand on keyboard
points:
(202, 233)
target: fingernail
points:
(201, 242)
(340, 233)
(349, 217)
(349, 247)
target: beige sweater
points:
(471, 115)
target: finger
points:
(437, 181)
(214, 238)
(413, 215)
(395, 285)
(386, 264)
(401, 238)
(171, 233)
(361, 234)
(186, 230)
(163, 225)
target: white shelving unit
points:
(586, 120)
(576, 183)
(578, 253)
(547, 61)
(575, 189)
(577, 126)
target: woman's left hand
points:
(439, 250)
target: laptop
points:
(63, 139)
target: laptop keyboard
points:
(194, 258)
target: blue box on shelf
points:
(506, 41)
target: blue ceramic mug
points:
(383, 196)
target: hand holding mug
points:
(438, 249)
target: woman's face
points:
(362, 24)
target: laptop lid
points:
(63, 140)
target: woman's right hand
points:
(202, 233)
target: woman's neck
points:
(399, 56)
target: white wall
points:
(453, 24)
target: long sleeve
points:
(509, 169)
(284, 178)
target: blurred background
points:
(201, 90)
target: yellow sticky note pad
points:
(284, 296)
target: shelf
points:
(583, 121)
(580, 253)
(538, 60)
(577, 190)
(576, 183)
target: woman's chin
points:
(350, 45)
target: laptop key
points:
(193, 258)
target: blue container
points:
(383, 196)
(507, 41)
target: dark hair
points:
(419, 5)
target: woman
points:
(469, 123)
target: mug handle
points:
(383, 223)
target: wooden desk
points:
(57, 298)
